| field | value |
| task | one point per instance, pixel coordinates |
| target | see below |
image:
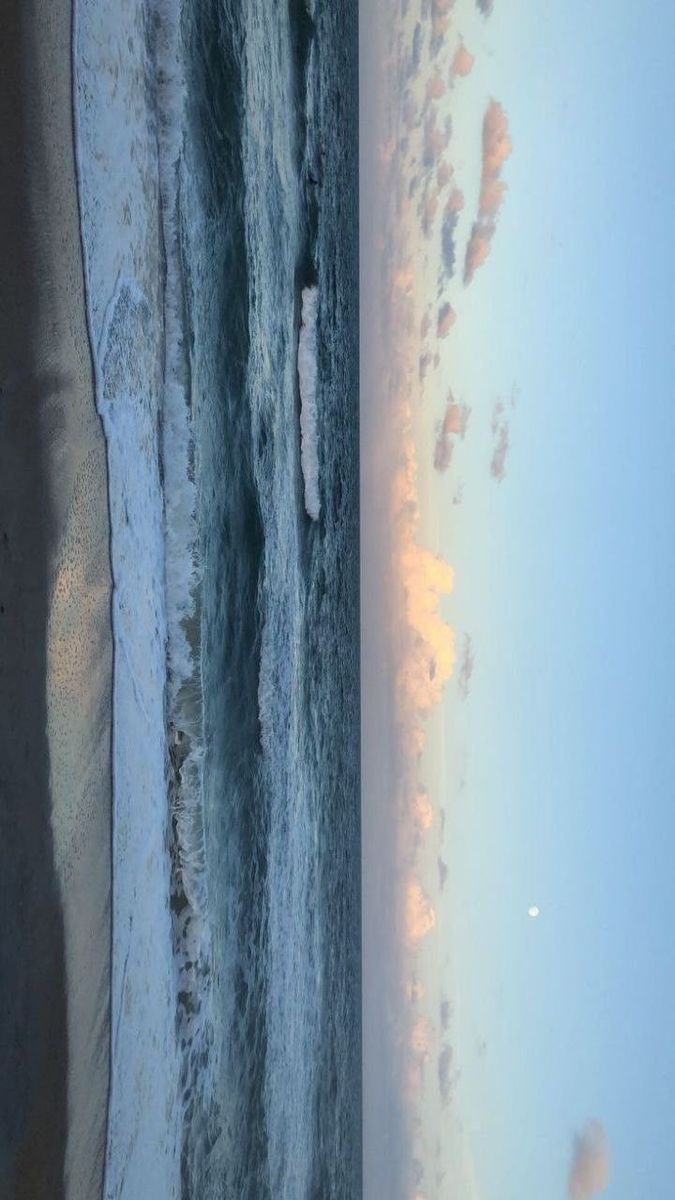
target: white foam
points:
(308, 372)
(119, 148)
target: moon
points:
(533, 910)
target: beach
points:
(55, 642)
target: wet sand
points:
(55, 643)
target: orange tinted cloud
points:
(454, 426)
(455, 201)
(422, 810)
(478, 249)
(436, 87)
(420, 917)
(463, 62)
(497, 147)
(491, 197)
(497, 144)
(456, 417)
(589, 1171)
(431, 658)
(420, 1039)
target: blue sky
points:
(564, 579)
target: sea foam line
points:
(156, 576)
(308, 373)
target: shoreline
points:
(95, 384)
(56, 633)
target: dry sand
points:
(55, 643)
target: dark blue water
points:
(271, 997)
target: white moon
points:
(533, 910)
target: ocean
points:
(218, 180)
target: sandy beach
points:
(55, 641)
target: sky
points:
(518, 571)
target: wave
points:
(130, 205)
(308, 374)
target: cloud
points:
(443, 452)
(409, 113)
(466, 665)
(416, 52)
(420, 1038)
(455, 202)
(497, 147)
(415, 991)
(462, 63)
(440, 23)
(485, 7)
(479, 247)
(445, 1073)
(436, 138)
(422, 810)
(418, 1172)
(500, 450)
(442, 873)
(425, 361)
(453, 426)
(497, 144)
(453, 207)
(427, 210)
(456, 417)
(589, 1170)
(446, 1013)
(448, 251)
(436, 87)
(420, 917)
(491, 197)
(429, 659)
(445, 320)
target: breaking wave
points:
(308, 373)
